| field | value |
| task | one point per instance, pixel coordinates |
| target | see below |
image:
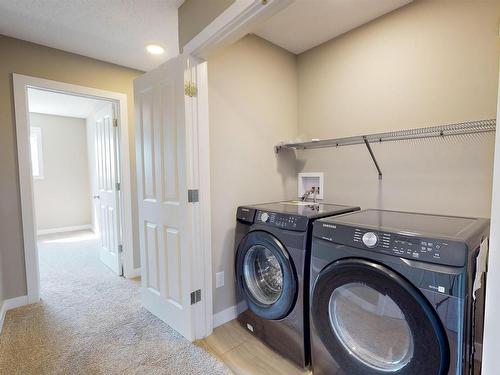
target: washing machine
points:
(272, 272)
(392, 293)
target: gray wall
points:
(35, 60)
(432, 62)
(253, 104)
(195, 15)
(62, 197)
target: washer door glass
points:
(371, 327)
(263, 274)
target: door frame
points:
(20, 85)
(491, 338)
(198, 141)
(231, 25)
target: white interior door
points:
(108, 195)
(164, 214)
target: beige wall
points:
(62, 197)
(195, 15)
(31, 59)
(415, 67)
(253, 104)
(432, 62)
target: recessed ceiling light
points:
(154, 49)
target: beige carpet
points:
(90, 321)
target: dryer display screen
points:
(406, 241)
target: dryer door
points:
(266, 276)
(373, 321)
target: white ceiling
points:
(307, 23)
(54, 103)
(115, 31)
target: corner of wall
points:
(10, 304)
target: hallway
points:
(90, 321)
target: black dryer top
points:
(306, 209)
(461, 229)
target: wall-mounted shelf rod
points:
(373, 157)
(470, 127)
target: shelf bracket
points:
(373, 157)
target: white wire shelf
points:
(469, 127)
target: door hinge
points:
(117, 186)
(195, 296)
(193, 196)
(115, 122)
(190, 89)
(120, 248)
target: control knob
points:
(264, 217)
(370, 239)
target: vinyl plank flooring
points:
(244, 354)
(226, 337)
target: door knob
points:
(97, 197)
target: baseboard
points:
(136, 272)
(10, 304)
(64, 229)
(225, 316)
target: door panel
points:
(151, 248)
(106, 146)
(173, 285)
(169, 148)
(164, 213)
(148, 145)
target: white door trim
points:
(231, 25)
(198, 122)
(21, 83)
(234, 23)
(205, 195)
(491, 340)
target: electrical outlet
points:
(219, 279)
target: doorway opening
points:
(75, 181)
(75, 168)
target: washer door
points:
(373, 321)
(266, 275)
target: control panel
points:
(438, 251)
(370, 239)
(284, 221)
(245, 214)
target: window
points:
(36, 152)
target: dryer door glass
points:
(371, 326)
(263, 274)
(373, 321)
